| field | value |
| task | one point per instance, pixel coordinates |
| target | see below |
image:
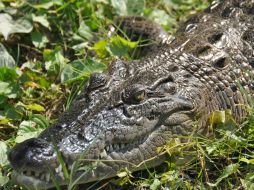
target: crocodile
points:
(124, 114)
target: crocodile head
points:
(119, 120)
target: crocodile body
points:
(126, 113)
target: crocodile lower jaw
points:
(44, 182)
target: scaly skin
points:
(135, 107)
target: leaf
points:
(40, 120)
(122, 174)
(4, 120)
(156, 184)
(27, 130)
(35, 107)
(10, 26)
(2, 5)
(128, 7)
(3, 179)
(135, 7)
(3, 162)
(6, 60)
(3, 154)
(85, 31)
(13, 112)
(55, 61)
(120, 7)
(39, 40)
(79, 69)
(8, 89)
(42, 19)
(44, 4)
(248, 161)
(162, 18)
(8, 74)
(229, 170)
(247, 184)
(217, 117)
(100, 48)
(119, 46)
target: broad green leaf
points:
(135, 7)
(4, 120)
(212, 147)
(13, 112)
(156, 184)
(10, 26)
(128, 7)
(247, 184)
(248, 161)
(101, 1)
(100, 48)
(45, 4)
(35, 107)
(27, 130)
(55, 61)
(2, 5)
(119, 46)
(9, 90)
(4, 87)
(3, 154)
(39, 40)
(229, 170)
(81, 46)
(81, 69)
(3, 179)
(120, 7)
(3, 162)
(42, 19)
(85, 31)
(6, 60)
(8, 74)
(122, 174)
(162, 18)
(217, 117)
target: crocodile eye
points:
(134, 94)
(97, 80)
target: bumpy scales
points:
(135, 107)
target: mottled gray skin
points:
(125, 114)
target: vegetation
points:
(49, 48)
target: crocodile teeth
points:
(93, 174)
(69, 166)
(103, 154)
(111, 148)
(58, 169)
(61, 174)
(115, 146)
(122, 146)
(42, 177)
(28, 173)
(47, 177)
(37, 174)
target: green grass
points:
(54, 48)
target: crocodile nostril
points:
(221, 63)
(215, 38)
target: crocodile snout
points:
(30, 153)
